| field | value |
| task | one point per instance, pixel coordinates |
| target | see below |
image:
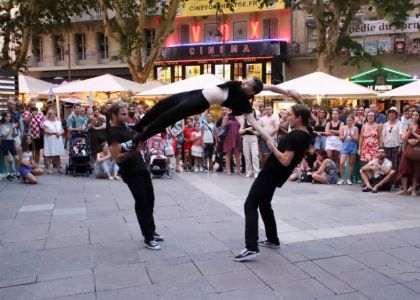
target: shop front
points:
(230, 60)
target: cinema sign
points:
(226, 50)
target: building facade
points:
(395, 49)
(250, 42)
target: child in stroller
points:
(158, 162)
(79, 155)
(80, 146)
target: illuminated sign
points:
(192, 8)
(226, 50)
(255, 30)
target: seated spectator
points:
(80, 146)
(327, 171)
(27, 167)
(156, 152)
(301, 172)
(378, 174)
(105, 166)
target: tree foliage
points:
(126, 21)
(333, 19)
(20, 20)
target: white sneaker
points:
(255, 175)
(195, 169)
(348, 181)
(248, 174)
(201, 169)
(340, 182)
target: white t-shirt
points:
(270, 123)
(391, 135)
(208, 133)
(375, 163)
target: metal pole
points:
(69, 60)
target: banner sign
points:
(225, 50)
(383, 27)
(193, 8)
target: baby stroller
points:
(79, 155)
(155, 157)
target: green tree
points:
(20, 20)
(126, 23)
(333, 19)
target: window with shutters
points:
(270, 28)
(80, 46)
(240, 31)
(185, 33)
(38, 49)
(103, 45)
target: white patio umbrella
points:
(193, 83)
(102, 84)
(30, 85)
(408, 91)
(320, 85)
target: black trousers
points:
(169, 111)
(140, 185)
(260, 197)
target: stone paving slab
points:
(81, 240)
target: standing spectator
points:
(76, 122)
(132, 115)
(333, 143)
(284, 123)
(250, 149)
(53, 141)
(360, 119)
(377, 175)
(319, 129)
(189, 129)
(7, 135)
(380, 118)
(176, 131)
(406, 117)
(342, 114)
(209, 140)
(11, 108)
(34, 120)
(140, 112)
(197, 146)
(370, 139)
(349, 135)
(326, 170)
(271, 124)
(259, 112)
(28, 169)
(105, 166)
(221, 135)
(391, 138)
(232, 142)
(410, 169)
(97, 132)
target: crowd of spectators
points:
(350, 145)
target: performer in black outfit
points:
(280, 164)
(235, 95)
(134, 172)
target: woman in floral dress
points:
(370, 139)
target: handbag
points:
(222, 132)
(413, 152)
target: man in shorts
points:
(378, 174)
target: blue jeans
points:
(105, 168)
(320, 142)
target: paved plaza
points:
(78, 238)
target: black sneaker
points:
(158, 237)
(246, 255)
(268, 244)
(16, 176)
(152, 245)
(10, 177)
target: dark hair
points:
(258, 86)
(302, 111)
(24, 144)
(33, 108)
(3, 116)
(322, 153)
(115, 108)
(103, 144)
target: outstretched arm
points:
(290, 93)
(254, 123)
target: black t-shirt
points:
(238, 101)
(297, 141)
(122, 134)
